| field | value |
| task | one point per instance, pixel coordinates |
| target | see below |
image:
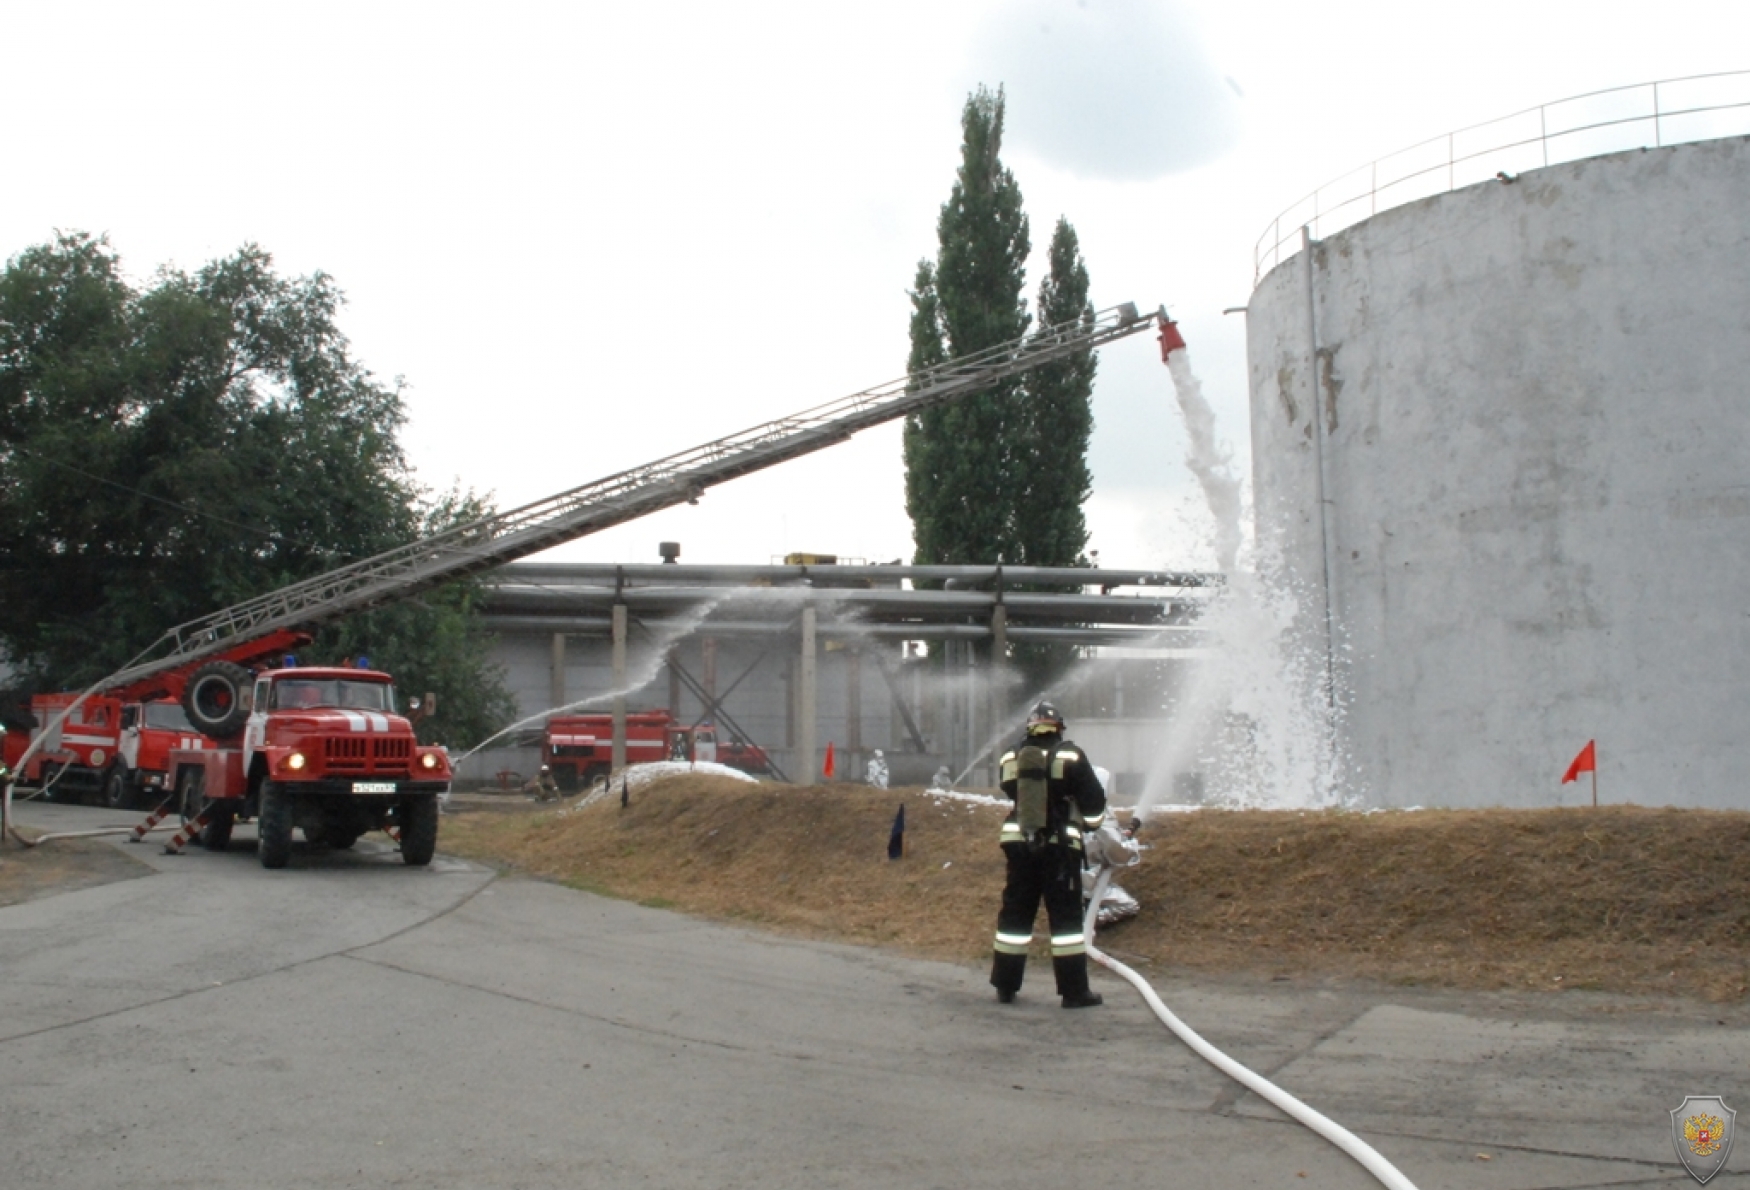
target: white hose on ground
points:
(1369, 1157)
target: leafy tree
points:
(999, 477)
(171, 450)
(1055, 421)
(959, 486)
(1053, 425)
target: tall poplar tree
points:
(1054, 423)
(960, 487)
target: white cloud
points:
(1113, 89)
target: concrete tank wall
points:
(1536, 476)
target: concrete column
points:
(853, 711)
(807, 770)
(556, 680)
(619, 760)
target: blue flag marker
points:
(896, 841)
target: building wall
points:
(1534, 462)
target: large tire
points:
(418, 815)
(119, 790)
(216, 834)
(274, 826)
(216, 699)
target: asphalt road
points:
(352, 1022)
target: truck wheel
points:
(216, 834)
(419, 828)
(274, 826)
(215, 701)
(119, 793)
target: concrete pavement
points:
(351, 1021)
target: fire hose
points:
(1369, 1157)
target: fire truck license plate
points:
(373, 787)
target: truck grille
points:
(366, 754)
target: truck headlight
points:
(428, 760)
(296, 762)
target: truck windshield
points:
(167, 716)
(297, 693)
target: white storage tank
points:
(1532, 400)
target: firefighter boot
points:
(1072, 981)
(1006, 971)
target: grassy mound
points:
(1614, 899)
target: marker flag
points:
(1586, 762)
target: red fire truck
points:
(579, 748)
(322, 749)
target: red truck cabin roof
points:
(328, 672)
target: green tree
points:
(959, 486)
(1054, 422)
(170, 450)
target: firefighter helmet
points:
(1045, 719)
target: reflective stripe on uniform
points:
(1093, 823)
(1011, 766)
(1066, 944)
(1072, 832)
(1014, 943)
(1058, 760)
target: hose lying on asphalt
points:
(1369, 1157)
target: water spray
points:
(678, 628)
(1259, 717)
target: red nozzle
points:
(1171, 339)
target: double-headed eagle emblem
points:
(1701, 1128)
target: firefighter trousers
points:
(1054, 875)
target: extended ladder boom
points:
(677, 479)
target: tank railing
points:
(1643, 115)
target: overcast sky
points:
(589, 235)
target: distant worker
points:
(943, 781)
(1057, 796)
(542, 785)
(876, 773)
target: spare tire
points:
(216, 699)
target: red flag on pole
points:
(1586, 762)
(828, 768)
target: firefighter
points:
(542, 785)
(876, 771)
(1057, 797)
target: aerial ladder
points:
(681, 478)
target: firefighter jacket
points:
(1075, 801)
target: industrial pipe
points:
(1369, 1157)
